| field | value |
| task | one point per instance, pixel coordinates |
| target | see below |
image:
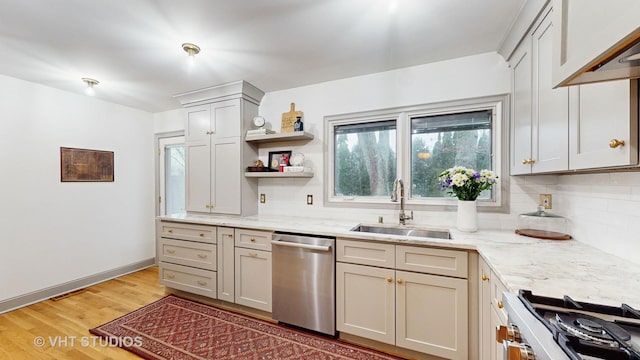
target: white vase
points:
(467, 216)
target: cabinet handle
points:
(201, 283)
(614, 143)
(389, 279)
(170, 251)
(170, 276)
(485, 277)
(170, 231)
(399, 281)
(252, 239)
(253, 255)
(202, 256)
(500, 304)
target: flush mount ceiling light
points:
(90, 83)
(191, 50)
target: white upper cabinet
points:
(216, 119)
(588, 32)
(604, 125)
(539, 138)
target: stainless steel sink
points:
(405, 231)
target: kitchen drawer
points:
(432, 261)
(365, 253)
(497, 288)
(192, 232)
(196, 281)
(251, 239)
(188, 253)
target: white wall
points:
(54, 232)
(462, 78)
(602, 209)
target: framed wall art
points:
(277, 158)
(84, 165)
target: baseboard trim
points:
(47, 293)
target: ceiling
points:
(133, 47)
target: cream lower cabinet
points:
(492, 313)
(253, 269)
(253, 278)
(187, 257)
(226, 261)
(417, 311)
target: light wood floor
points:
(73, 316)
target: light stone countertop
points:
(546, 267)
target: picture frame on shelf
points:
(277, 157)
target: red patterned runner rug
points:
(176, 328)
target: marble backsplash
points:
(602, 210)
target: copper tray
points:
(542, 234)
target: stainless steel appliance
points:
(304, 281)
(543, 328)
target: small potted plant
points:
(466, 184)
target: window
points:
(439, 142)
(367, 151)
(365, 158)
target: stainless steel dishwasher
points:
(304, 281)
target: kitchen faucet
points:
(394, 197)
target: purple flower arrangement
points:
(466, 184)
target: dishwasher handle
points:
(303, 246)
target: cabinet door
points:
(496, 347)
(198, 189)
(432, 314)
(226, 176)
(198, 123)
(486, 331)
(550, 123)
(253, 278)
(226, 121)
(365, 302)
(521, 114)
(226, 269)
(601, 113)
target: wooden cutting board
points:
(541, 234)
(289, 118)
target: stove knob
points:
(516, 351)
(508, 332)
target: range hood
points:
(621, 61)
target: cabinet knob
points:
(614, 143)
(525, 161)
(399, 281)
(201, 234)
(170, 276)
(500, 304)
(252, 239)
(170, 231)
(253, 255)
(229, 235)
(389, 279)
(485, 277)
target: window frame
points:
(498, 104)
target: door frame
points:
(157, 138)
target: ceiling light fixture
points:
(90, 83)
(192, 50)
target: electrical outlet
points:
(546, 201)
(263, 198)
(309, 199)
